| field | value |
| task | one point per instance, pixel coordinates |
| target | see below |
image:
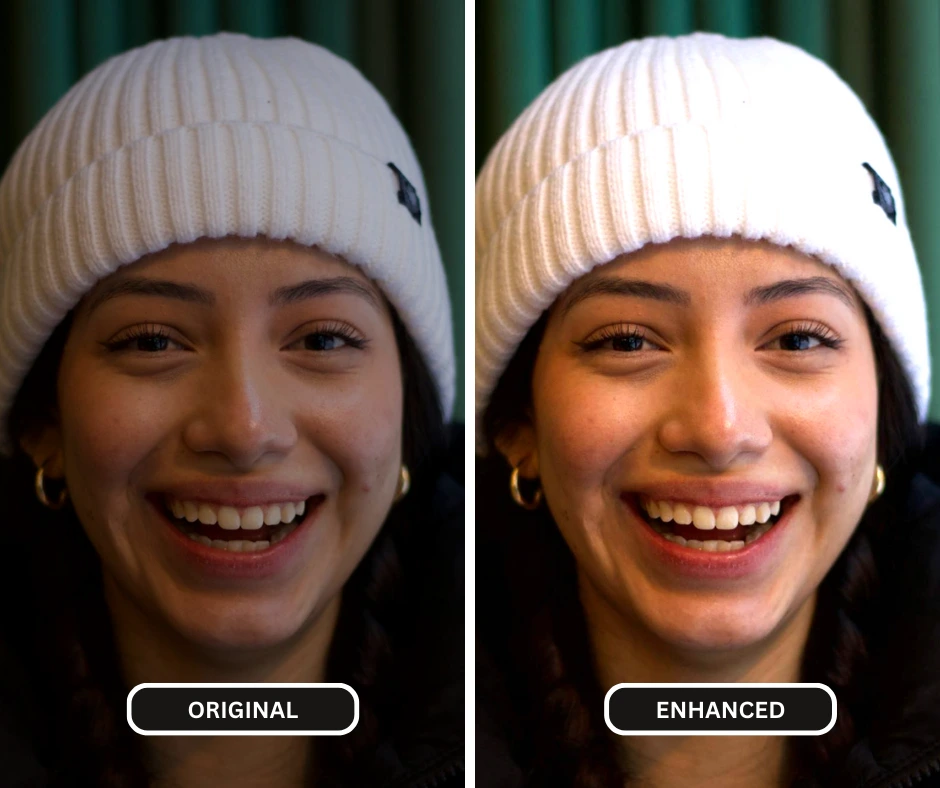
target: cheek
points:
(586, 424)
(361, 431)
(108, 427)
(836, 431)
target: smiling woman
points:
(224, 370)
(701, 352)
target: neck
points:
(626, 652)
(149, 650)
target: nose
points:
(240, 414)
(718, 412)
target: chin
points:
(240, 627)
(715, 626)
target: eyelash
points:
(625, 331)
(151, 331)
(343, 331)
(135, 334)
(814, 330)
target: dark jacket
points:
(901, 745)
(425, 744)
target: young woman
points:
(702, 379)
(225, 366)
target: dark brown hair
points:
(539, 636)
(63, 633)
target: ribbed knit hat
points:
(225, 135)
(700, 135)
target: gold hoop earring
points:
(878, 485)
(41, 491)
(517, 495)
(404, 483)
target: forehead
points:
(714, 268)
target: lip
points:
(239, 495)
(714, 494)
(212, 563)
(698, 564)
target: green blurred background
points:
(887, 50)
(411, 50)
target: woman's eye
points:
(323, 342)
(330, 337)
(627, 343)
(152, 344)
(799, 342)
(618, 339)
(804, 338)
(142, 340)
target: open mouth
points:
(724, 530)
(239, 530)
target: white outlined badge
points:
(795, 687)
(238, 732)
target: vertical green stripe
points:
(854, 53)
(253, 17)
(192, 17)
(332, 24)
(728, 17)
(617, 21)
(7, 141)
(378, 45)
(668, 17)
(141, 24)
(100, 32)
(436, 123)
(912, 125)
(804, 23)
(44, 57)
(515, 62)
(577, 31)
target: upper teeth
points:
(231, 519)
(706, 519)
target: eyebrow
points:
(159, 288)
(794, 287)
(315, 288)
(607, 285)
(289, 294)
(765, 294)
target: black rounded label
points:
(242, 709)
(720, 709)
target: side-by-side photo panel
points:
(231, 394)
(706, 254)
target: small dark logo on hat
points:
(882, 194)
(407, 195)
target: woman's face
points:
(243, 374)
(712, 376)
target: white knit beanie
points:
(225, 135)
(700, 135)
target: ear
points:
(517, 444)
(44, 446)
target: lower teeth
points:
(716, 545)
(243, 545)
